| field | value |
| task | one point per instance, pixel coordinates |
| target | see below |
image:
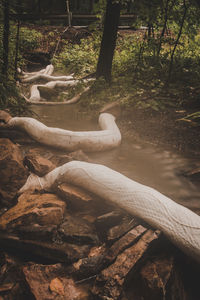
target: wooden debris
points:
(124, 242)
(109, 282)
(56, 251)
(123, 227)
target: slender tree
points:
(108, 42)
(6, 32)
(185, 8)
(19, 6)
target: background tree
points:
(108, 43)
(6, 32)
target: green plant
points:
(80, 58)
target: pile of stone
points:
(72, 245)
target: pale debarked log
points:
(107, 138)
(178, 223)
(35, 93)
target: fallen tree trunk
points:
(178, 223)
(31, 79)
(107, 138)
(73, 100)
(35, 93)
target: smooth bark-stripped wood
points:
(35, 93)
(107, 138)
(178, 223)
(45, 77)
(73, 100)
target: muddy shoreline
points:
(162, 129)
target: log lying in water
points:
(46, 71)
(107, 138)
(178, 223)
(45, 77)
(35, 93)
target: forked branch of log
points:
(53, 82)
(73, 100)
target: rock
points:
(79, 155)
(13, 174)
(123, 227)
(50, 282)
(77, 230)
(155, 275)
(109, 283)
(41, 209)
(158, 279)
(60, 159)
(75, 196)
(47, 93)
(38, 164)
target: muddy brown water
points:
(138, 160)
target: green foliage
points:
(29, 39)
(11, 99)
(80, 58)
(9, 95)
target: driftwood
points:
(73, 100)
(53, 82)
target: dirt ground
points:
(163, 128)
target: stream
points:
(141, 161)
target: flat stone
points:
(75, 196)
(158, 278)
(47, 93)
(13, 174)
(48, 282)
(77, 230)
(38, 164)
(41, 209)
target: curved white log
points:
(178, 223)
(31, 79)
(35, 93)
(107, 138)
(46, 71)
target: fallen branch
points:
(107, 138)
(73, 100)
(178, 223)
(31, 79)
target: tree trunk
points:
(108, 42)
(177, 41)
(6, 31)
(19, 10)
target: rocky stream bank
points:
(72, 245)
